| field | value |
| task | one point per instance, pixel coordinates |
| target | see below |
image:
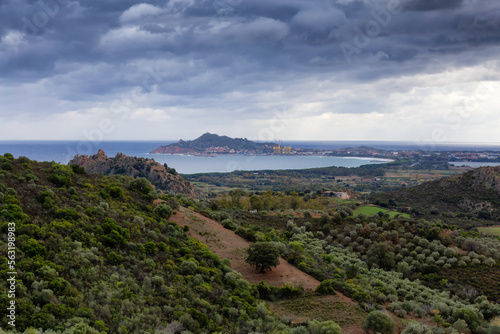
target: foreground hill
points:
(93, 255)
(220, 144)
(99, 254)
(476, 192)
(161, 176)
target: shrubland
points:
(95, 255)
(412, 267)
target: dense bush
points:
(378, 322)
(327, 287)
(325, 327)
(95, 257)
(417, 328)
(278, 293)
(61, 175)
(141, 185)
(163, 211)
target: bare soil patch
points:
(226, 244)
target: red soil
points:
(226, 244)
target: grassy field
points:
(373, 210)
(207, 188)
(320, 307)
(492, 230)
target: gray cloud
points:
(197, 54)
(429, 5)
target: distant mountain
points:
(476, 192)
(161, 176)
(209, 142)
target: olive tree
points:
(263, 255)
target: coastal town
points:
(211, 145)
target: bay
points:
(187, 164)
(64, 151)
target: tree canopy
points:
(263, 255)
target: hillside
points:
(161, 176)
(476, 192)
(219, 144)
(108, 254)
(226, 244)
(94, 255)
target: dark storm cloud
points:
(107, 47)
(428, 5)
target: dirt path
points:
(226, 244)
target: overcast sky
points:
(411, 70)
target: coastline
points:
(214, 155)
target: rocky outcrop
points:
(487, 178)
(161, 176)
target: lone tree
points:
(263, 255)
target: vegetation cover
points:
(394, 262)
(95, 256)
(263, 255)
(208, 140)
(473, 194)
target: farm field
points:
(490, 230)
(373, 210)
(340, 309)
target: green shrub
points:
(162, 210)
(7, 166)
(274, 293)
(115, 192)
(326, 287)
(325, 327)
(150, 248)
(61, 175)
(228, 223)
(141, 185)
(33, 248)
(417, 328)
(114, 258)
(113, 234)
(59, 286)
(24, 160)
(78, 169)
(378, 322)
(173, 203)
(69, 214)
(33, 177)
(471, 316)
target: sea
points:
(64, 151)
